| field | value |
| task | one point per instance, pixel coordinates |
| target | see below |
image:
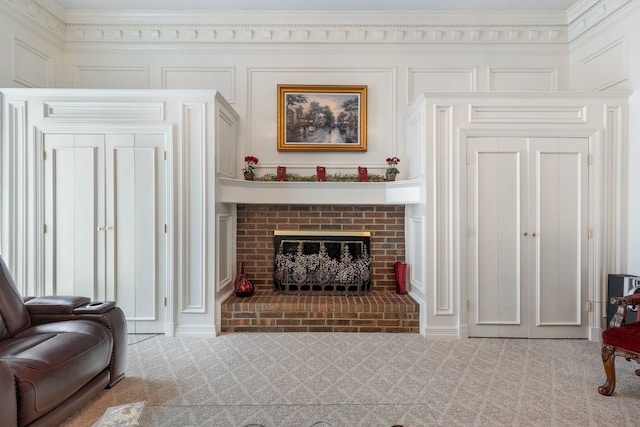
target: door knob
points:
(526, 234)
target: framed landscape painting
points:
(322, 118)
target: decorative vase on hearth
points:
(242, 286)
(249, 176)
(391, 177)
(401, 277)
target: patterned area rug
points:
(334, 379)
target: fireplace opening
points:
(322, 262)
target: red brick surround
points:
(381, 310)
(257, 222)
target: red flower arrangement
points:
(392, 163)
(251, 161)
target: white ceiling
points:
(424, 5)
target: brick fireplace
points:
(380, 310)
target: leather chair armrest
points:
(8, 396)
(96, 307)
(55, 304)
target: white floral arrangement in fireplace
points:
(321, 269)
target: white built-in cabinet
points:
(105, 222)
(527, 235)
(520, 208)
(112, 194)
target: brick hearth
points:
(267, 311)
(380, 310)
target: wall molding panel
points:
(31, 67)
(522, 79)
(527, 114)
(432, 80)
(225, 247)
(444, 143)
(415, 256)
(195, 224)
(225, 158)
(262, 107)
(111, 77)
(221, 78)
(606, 67)
(130, 111)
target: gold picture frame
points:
(322, 118)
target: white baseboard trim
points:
(195, 331)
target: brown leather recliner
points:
(56, 353)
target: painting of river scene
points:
(319, 117)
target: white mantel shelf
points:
(403, 192)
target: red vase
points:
(242, 286)
(401, 277)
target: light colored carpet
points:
(343, 379)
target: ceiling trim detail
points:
(390, 34)
(321, 27)
(587, 14)
(35, 13)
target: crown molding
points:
(35, 15)
(305, 18)
(323, 27)
(320, 27)
(588, 14)
(279, 34)
(289, 27)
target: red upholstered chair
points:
(621, 340)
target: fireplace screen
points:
(334, 262)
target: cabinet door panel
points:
(135, 198)
(73, 198)
(496, 196)
(559, 191)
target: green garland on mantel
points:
(330, 178)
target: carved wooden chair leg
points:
(608, 360)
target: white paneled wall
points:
(604, 59)
(245, 56)
(248, 78)
(399, 57)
